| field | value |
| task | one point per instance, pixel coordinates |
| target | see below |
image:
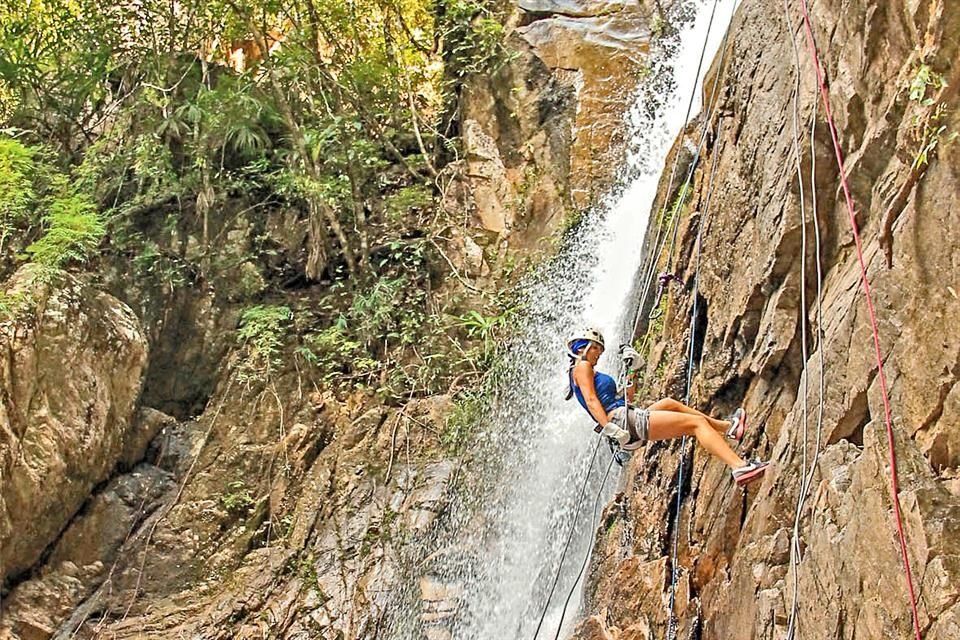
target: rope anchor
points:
(663, 281)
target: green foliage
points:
(930, 133)
(683, 196)
(383, 312)
(13, 304)
(54, 58)
(133, 127)
(151, 262)
(660, 26)
(238, 500)
(250, 282)
(380, 321)
(74, 230)
(928, 127)
(9, 102)
(337, 356)
(572, 221)
(16, 181)
(151, 163)
(34, 197)
(262, 332)
(923, 79)
(462, 421)
(333, 97)
(490, 330)
(476, 35)
(406, 199)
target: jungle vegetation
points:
(116, 117)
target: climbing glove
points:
(629, 356)
(611, 430)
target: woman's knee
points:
(665, 404)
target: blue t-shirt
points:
(606, 388)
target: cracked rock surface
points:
(736, 578)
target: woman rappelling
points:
(632, 427)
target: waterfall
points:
(512, 510)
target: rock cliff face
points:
(544, 136)
(70, 372)
(272, 508)
(279, 510)
(758, 301)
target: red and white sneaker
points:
(738, 425)
(749, 472)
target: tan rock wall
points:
(544, 136)
(735, 578)
(70, 372)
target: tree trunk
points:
(300, 143)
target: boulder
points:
(71, 366)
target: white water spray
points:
(504, 542)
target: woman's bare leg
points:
(665, 425)
(669, 404)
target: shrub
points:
(262, 331)
(16, 183)
(462, 421)
(74, 230)
(238, 500)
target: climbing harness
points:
(629, 359)
(619, 455)
(894, 483)
(663, 281)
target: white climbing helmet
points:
(590, 334)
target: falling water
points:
(505, 529)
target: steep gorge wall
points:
(276, 508)
(735, 576)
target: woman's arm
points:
(583, 376)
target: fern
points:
(16, 185)
(74, 231)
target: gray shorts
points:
(638, 422)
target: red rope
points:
(894, 488)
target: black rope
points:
(672, 621)
(573, 528)
(586, 557)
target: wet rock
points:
(85, 554)
(439, 605)
(597, 49)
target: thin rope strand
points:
(586, 557)
(566, 546)
(801, 494)
(894, 483)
